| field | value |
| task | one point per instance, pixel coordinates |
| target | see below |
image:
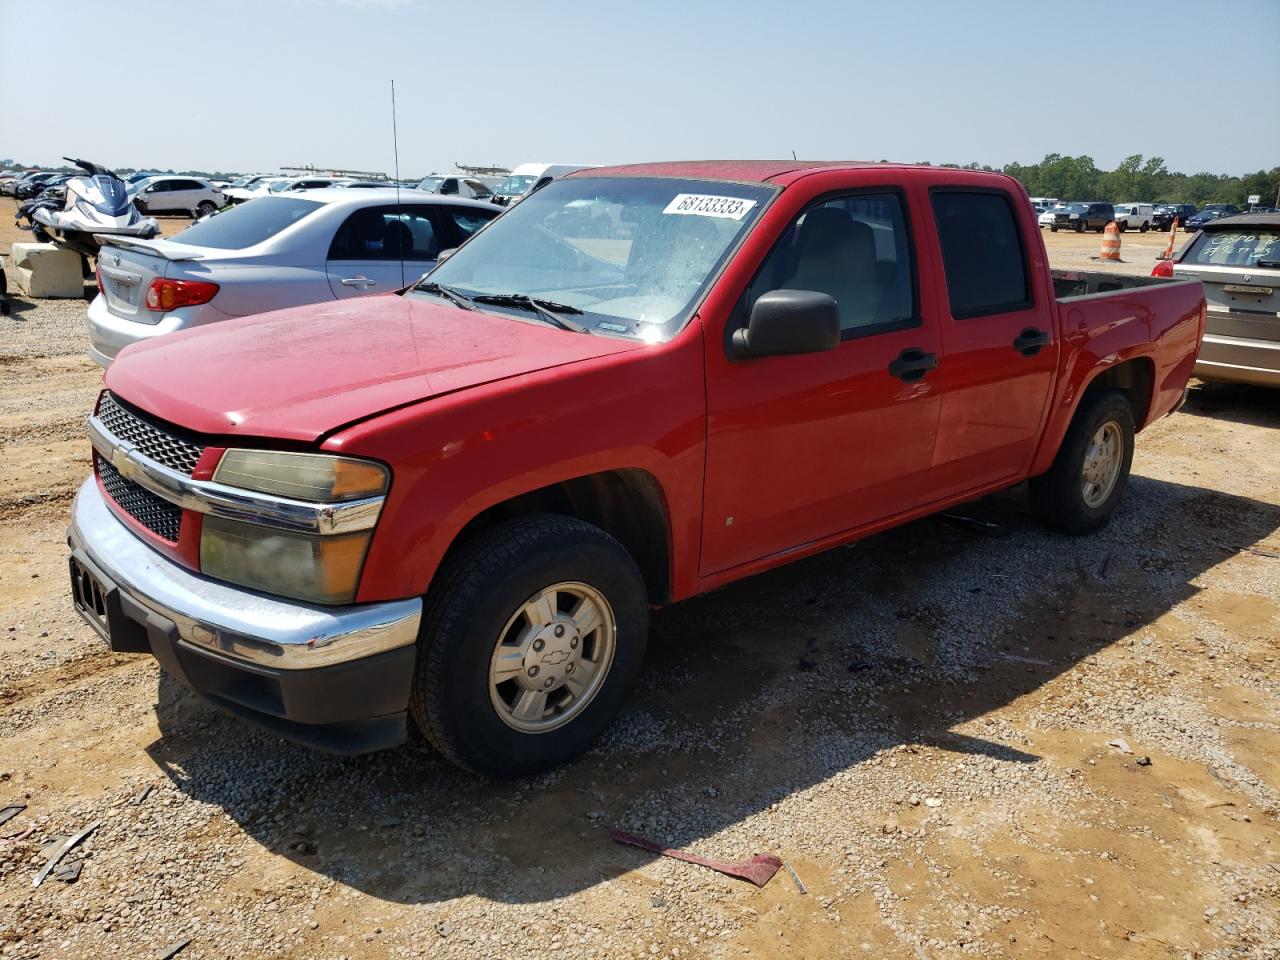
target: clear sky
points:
(255, 84)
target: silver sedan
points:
(270, 253)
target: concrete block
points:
(46, 270)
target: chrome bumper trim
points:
(228, 620)
(233, 503)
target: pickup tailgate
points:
(126, 269)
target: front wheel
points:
(204, 208)
(530, 640)
(1081, 489)
(1079, 226)
(1053, 229)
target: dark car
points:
(1082, 216)
(1162, 219)
(31, 185)
(1211, 211)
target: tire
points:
(1053, 228)
(203, 209)
(1123, 225)
(1145, 227)
(1060, 498)
(478, 605)
(1080, 226)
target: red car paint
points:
(758, 462)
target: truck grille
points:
(165, 445)
(158, 515)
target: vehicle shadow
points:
(750, 694)
(1237, 402)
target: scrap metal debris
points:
(758, 870)
(11, 811)
(69, 872)
(795, 877)
(17, 837)
(173, 949)
(142, 795)
(61, 851)
(1120, 744)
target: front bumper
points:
(337, 678)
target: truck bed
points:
(1072, 284)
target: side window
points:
(450, 187)
(478, 189)
(857, 250)
(380, 233)
(414, 233)
(982, 253)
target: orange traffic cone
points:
(1110, 243)
(1173, 236)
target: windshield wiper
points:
(1267, 262)
(450, 294)
(549, 310)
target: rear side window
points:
(982, 253)
(248, 224)
(468, 221)
(1245, 247)
(386, 233)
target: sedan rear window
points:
(248, 224)
(1241, 247)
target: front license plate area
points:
(89, 595)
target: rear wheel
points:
(1081, 489)
(1145, 227)
(529, 642)
(1080, 226)
(1123, 225)
(205, 207)
(1053, 228)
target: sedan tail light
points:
(1163, 269)
(165, 295)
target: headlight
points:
(310, 568)
(316, 568)
(302, 476)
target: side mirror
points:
(444, 255)
(788, 321)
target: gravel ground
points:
(919, 725)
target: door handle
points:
(912, 364)
(360, 282)
(1029, 341)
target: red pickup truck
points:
(456, 504)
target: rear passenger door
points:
(381, 249)
(999, 349)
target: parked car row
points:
(1129, 215)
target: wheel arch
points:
(627, 503)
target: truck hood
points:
(301, 373)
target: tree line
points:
(1136, 178)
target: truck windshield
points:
(632, 255)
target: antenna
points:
(395, 148)
(793, 155)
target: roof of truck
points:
(750, 171)
(781, 172)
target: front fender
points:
(458, 455)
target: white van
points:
(529, 177)
(1134, 216)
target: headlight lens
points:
(302, 476)
(310, 567)
(316, 569)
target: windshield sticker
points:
(707, 205)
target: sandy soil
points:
(918, 725)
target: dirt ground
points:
(968, 737)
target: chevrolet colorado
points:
(455, 505)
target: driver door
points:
(808, 447)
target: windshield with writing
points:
(633, 255)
